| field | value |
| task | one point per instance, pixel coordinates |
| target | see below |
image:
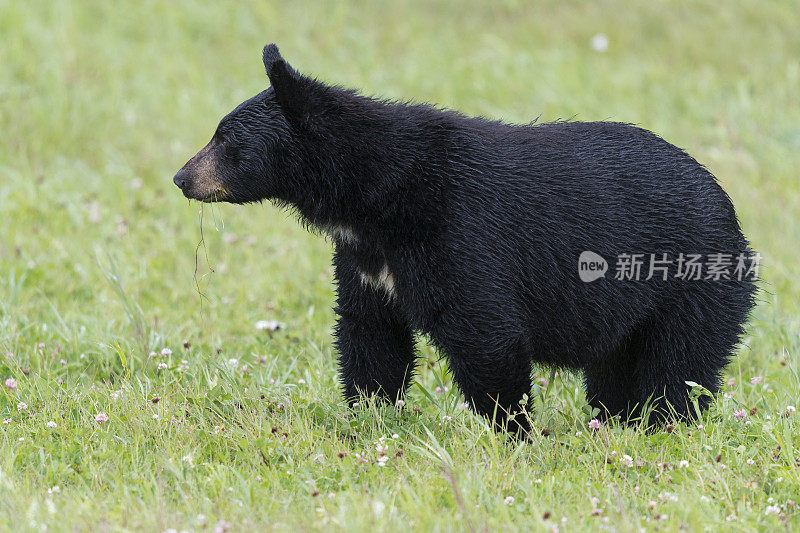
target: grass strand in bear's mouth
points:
(219, 194)
(215, 202)
(202, 243)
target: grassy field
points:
(233, 427)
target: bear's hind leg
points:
(689, 339)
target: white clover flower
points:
(162, 366)
(599, 42)
(52, 425)
(627, 461)
(22, 406)
(683, 463)
(509, 500)
(11, 383)
(269, 325)
(166, 352)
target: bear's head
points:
(254, 152)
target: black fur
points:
(480, 225)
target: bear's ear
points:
(289, 86)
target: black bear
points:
(494, 241)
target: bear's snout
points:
(199, 178)
(182, 179)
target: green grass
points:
(100, 104)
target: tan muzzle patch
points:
(207, 185)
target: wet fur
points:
(480, 225)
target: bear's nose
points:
(181, 179)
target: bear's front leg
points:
(494, 383)
(375, 343)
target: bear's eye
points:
(228, 149)
(225, 141)
(226, 138)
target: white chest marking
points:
(343, 234)
(384, 280)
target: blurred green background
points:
(101, 102)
